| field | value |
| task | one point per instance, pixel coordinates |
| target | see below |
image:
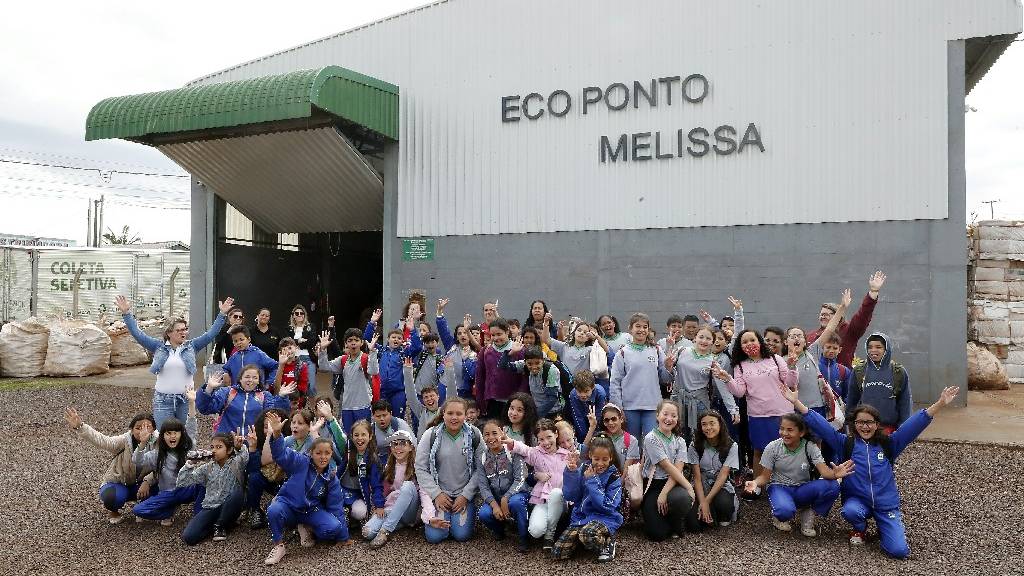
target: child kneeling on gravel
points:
(221, 503)
(871, 491)
(797, 477)
(595, 488)
(311, 497)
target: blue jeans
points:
(818, 494)
(517, 506)
(202, 523)
(169, 405)
(461, 528)
(640, 422)
(115, 495)
(258, 484)
(164, 504)
(892, 534)
(311, 373)
(326, 526)
(350, 417)
(403, 512)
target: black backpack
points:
(811, 468)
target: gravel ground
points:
(963, 516)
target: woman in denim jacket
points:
(174, 358)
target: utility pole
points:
(991, 208)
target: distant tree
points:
(126, 237)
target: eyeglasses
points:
(400, 442)
(865, 422)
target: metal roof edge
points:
(995, 46)
(212, 75)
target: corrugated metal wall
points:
(141, 276)
(849, 98)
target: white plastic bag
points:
(77, 348)
(23, 348)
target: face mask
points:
(752, 348)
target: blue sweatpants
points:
(818, 494)
(326, 526)
(164, 503)
(461, 528)
(258, 484)
(397, 400)
(517, 506)
(350, 417)
(114, 495)
(891, 532)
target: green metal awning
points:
(319, 96)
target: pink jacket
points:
(759, 382)
(393, 489)
(553, 464)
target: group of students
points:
(674, 431)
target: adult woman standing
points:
(301, 331)
(174, 358)
(264, 336)
(538, 310)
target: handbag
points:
(598, 361)
(637, 490)
(272, 472)
(836, 406)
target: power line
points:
(99, 171)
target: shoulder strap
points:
(364, 359)
(778, 368)
(626, 439)
(232, 392)
(899, 379)
(545, 371)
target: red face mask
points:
(752, 349)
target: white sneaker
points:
(724, 524)
(780, 525)
(139, 520)
(276, 554)
(306, 537)
(167, 522)
(807, 523)
(115, 517)
(366, 531)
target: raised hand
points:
(74, 420)
(736, 303)
(407, 362)
(572, 462)
(239, 439)
(325, 339)
(316, 426)
(122, 304)
(670, 362)
(789, 394)
(847, 298)
(705, 315)
(718, 373)
(592, 418)
(791, 359)
(517, 345)
(274, 423)
(226, 305)
(288, 389)
(842, 470)
(190, 392)
(323, 409)
(250, 439)
(547, 318)
(467, 321)
(376, 315)
(216, 380)
(876, 281)
(441, 303)
(373, 341)
(948, 394)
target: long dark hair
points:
(799, 422)
(353, 452)
(614, 320)
(529, 315)
(261, 424)
(181, 450)
(722, 444)
(530, 416)
(739, 356)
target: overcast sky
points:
(61, 58)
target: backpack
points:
(899, 378)
(421, 360)
(884, 441)
(364, 360)
(564, 376)
(232, 393)
(811, 468)
(476, 437)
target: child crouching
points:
(596, 490)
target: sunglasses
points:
(610, 419)
(236, 316)
(399, 442)
(298, 313)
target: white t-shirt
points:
(173, 378)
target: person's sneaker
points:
(167, 522)
(380, 539)
(219, 534)
(807, 523)
(607, 553)
(115, 518)
(856, 538)
(524, 545)
(139, 519)
(781, 525)
(276, 554)
(549, 544)
(724, 524)
(257, 519)
(306, 538)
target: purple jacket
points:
(494, 383)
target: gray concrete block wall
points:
(782, 272)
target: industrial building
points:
(602, 156)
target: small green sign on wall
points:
(417, 249)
